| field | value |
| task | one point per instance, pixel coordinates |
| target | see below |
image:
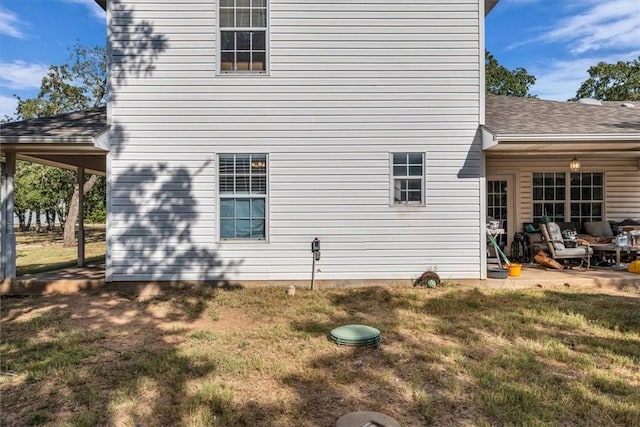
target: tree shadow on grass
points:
(482, 358)
(96, 359)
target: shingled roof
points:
(506, 115)
(79, 124)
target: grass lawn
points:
(38, 252)
(450, 356)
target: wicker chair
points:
(552, 236)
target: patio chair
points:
(552, 236)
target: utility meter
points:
(315, 248)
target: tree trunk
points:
(38, 221)
(21, 219)
(27, 226)
(72, 216)
(50, 215)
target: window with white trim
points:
(243, 196)
(568, 196)
(408, 178)
(243, 36)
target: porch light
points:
(574, 165)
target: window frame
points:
(393, 178)
(221, 196)
(568, 201)
(267, 38)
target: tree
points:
(612, 82)
(42, 189)
(79, 84)
(502, 81)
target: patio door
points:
(500, 206)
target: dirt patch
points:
(258, 357)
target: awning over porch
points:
(78, 141)
(72, 140)
(532, 126)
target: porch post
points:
(80, 216)
(8, 238)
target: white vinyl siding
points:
(349, 83)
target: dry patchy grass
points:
(450, 356)
(38, 252)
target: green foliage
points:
(76, 85)
(95, 202)
(502, 81)
(44, 189)
(612, 82)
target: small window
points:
(243, 36)
(408, 178)
(243, 196)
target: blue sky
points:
(556, 40)
(37, 33)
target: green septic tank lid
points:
(356, 335)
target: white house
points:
(238, 131)
(242, 130)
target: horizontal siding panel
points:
(349, 83)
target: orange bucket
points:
(515, 269)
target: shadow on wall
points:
(472, 167)
(155, 224)
(134, 46)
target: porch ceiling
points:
(578, 144)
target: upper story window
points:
(408, 178)
(243, 36)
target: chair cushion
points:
(598, 228)
(573, 252)
(556, 236)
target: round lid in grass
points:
(356, 335)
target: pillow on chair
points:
(598, 228)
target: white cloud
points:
(8, 106)
(560, 79)
(93, 7)
(10, 24)
(21, 75)
(614, 24)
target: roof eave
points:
(102, 3)
(37, 139)
(488, 5)
(578, 137)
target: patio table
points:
(610, 247)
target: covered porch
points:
(570, 162)
(78, 141)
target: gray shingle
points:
(507, 115)
(86, 123)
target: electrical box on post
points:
(315, 248)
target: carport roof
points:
(530, 124)
(77, 139)
(76, 125)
